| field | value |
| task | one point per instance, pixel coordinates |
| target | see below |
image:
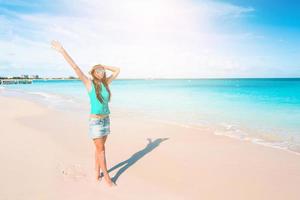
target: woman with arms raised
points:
(99, 94)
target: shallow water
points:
(263, 110)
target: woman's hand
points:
(111, 68)
(57, 46)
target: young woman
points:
(99, 94)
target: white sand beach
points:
(46, 154)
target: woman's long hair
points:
(97, 83)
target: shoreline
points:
(152, 78)
(42, 100)
(146, 156)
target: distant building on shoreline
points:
(26, 76)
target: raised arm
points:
(57, 46)
(115, 72)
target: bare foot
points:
(98, 177)
(109, 181)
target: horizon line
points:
(75, 78)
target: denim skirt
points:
(99, 127)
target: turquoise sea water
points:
(265, 110)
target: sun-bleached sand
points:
(46, 154)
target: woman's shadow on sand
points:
(135, 157)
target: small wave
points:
(232, 131)
(266, 139)
(50, 100)
(53, 97)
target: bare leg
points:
(100, 152)
(97, 166)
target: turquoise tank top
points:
(96, 106)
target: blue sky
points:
(158, 38)
(276, 14)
